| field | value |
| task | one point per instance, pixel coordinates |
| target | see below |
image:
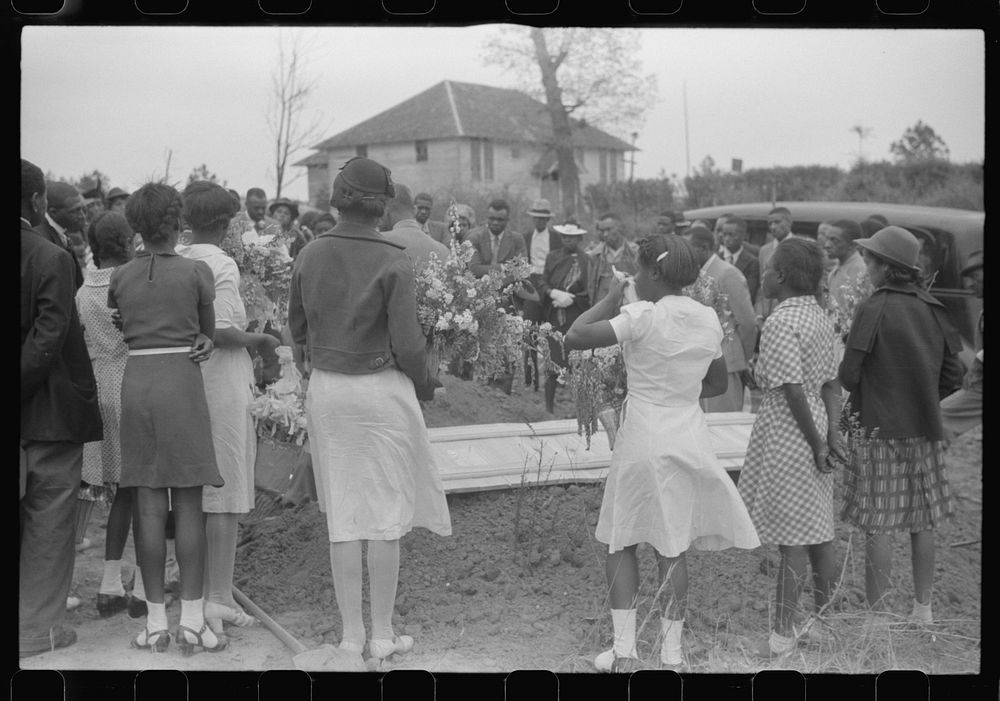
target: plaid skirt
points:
(894, 484)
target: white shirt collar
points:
(52, 223)
(708, 262)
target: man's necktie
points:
(495, 249)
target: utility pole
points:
(687, 143)
(863, 132)
(631, 182)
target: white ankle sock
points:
(138, 591)
(922, 612)
(623, 621)
(112, 581)
(670, 648)
(193, 614)
(156, 617)
(780, 644)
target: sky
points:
(123, 99)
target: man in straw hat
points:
(563, 289)
(539, 242)
(963, 410)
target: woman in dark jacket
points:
(901, 358)
(353, 308)
(563, 291)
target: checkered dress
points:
(789, 500)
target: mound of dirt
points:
(521, 584)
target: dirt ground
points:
(520, 584)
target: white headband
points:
(662, 256)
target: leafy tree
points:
(919, 143)
(203, 173)
(587, 75)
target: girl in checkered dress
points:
(786, 482)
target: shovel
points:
(325, 658)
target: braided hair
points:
(154, 211)
(671, 256)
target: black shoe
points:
(110, 604)
(136, 607)
(61, 636)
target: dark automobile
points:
(949, 236)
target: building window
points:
(361, 150)
(488, 159)
(421, 151)
(602, 162)
(613, 166)
(477, 164)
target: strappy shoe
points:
(230, 614)
(155, 641)
(380, 649)
(608, 661)
(188, 640)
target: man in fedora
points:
(539, 242)
(963, 410)
(437, 230)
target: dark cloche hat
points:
(115, 193)
(367, 176)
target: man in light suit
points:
(738, 347)
(495, 243)
(734, 251)
(437, 230)
(538, 242)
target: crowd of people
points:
(137, 376)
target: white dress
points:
(376, 478)
(228, 379)
(665, 486)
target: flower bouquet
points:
(856, 290)
(266, 276)
(466, 317)
(597, 380)
(279, 410)
(706, 290)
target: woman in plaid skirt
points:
(786, 481)
(900, 360)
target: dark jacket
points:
(901, 359)
(557, 266)
(748, 264)
(50, 234)
(511, 246)
(352, 305)
(532, 310)
(58, 390)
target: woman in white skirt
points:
(665, 486)
(353, 308)
(228, 379)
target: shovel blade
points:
(328, 658)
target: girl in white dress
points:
(228, 379)
(665, 486)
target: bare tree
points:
(291, 86)
(588, 75)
